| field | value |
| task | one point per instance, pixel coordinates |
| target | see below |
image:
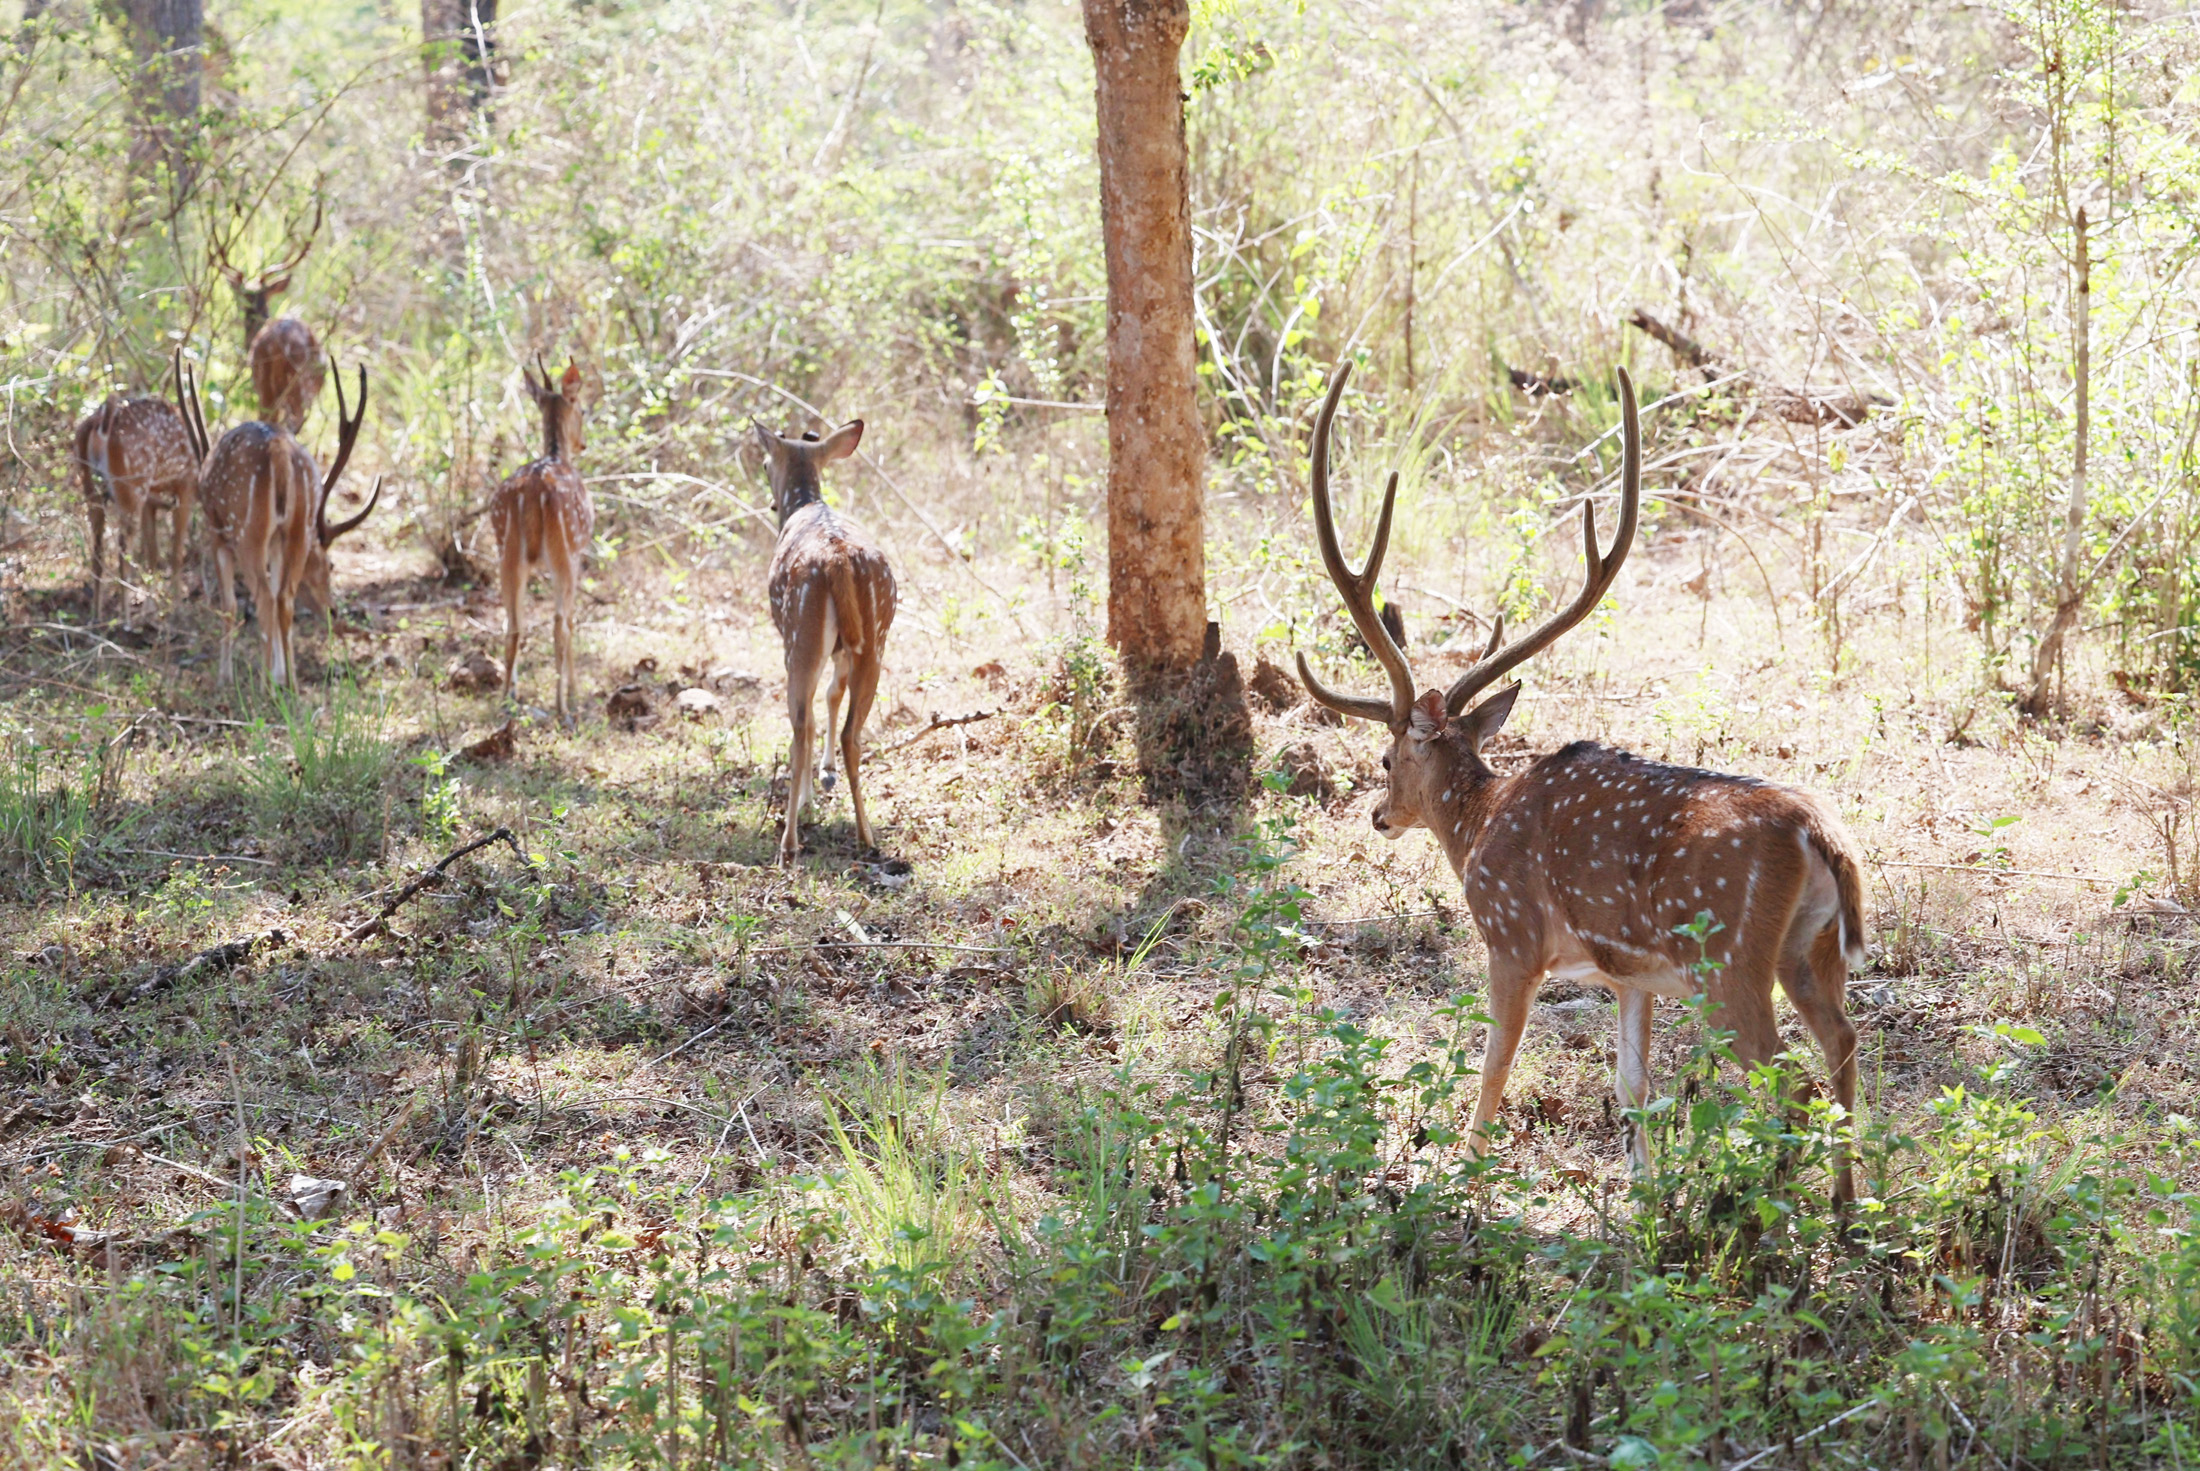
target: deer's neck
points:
(1474, 798)
(553, 431)
(800, 490)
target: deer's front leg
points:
(1631, 1068)
(1513, 984)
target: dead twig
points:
(211, 961)
(432, 877)
(940, 722)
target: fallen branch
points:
(1796, 405)
(211, 961)
(433, 877)
(940, 722)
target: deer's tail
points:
(91, 453)
(847, 605)
(1834, 844)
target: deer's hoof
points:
(828, 780)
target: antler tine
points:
(1603, 570)
(313, 233)
(1356, 589)
(187, 404)
(353, 524)
(348, 421)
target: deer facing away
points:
(139, 457)
(543, 519)
(267, 515)
(832, 597)
(1585, 865)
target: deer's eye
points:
(1386, 763)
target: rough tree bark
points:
(458, 50)
(168, 38)
(1192, 729)
(1157, 593)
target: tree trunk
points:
(168, 38)
(1157, 596)
(458, 50)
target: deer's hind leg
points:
(862, 689)
(807, 656)
(1815, 975)
(95, 513)
(564, 575)
(511, 587)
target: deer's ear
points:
(842, 442)
(570, 384)
(1428, 719)
(1488, 718)
(767, 441)
(535, 390)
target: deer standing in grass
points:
(543, 519)
(832, 596)
(138, 457)
(1585, 865)
(267, 512)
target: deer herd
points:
(1588, 865)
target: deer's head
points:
(793, 463)
(560, 404)
(1435, 757)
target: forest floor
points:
(649, 997)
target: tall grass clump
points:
(46, 806)
(317, 775)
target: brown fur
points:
(136, 455)
(267, 517)
(286, 372)
(1589, 863)
(544, 520)
(832, 598)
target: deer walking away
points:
(832, 599)
(138, 457)
(1586, 865)
(543, 521)
(267, 516)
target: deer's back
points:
(545, 505)
(148, 450)
(1598, 857)
(814, 542)
(236, 471)
(286, 371)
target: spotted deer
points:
(267, 515)
(543, 519)
(286, 372)
(137, 456)
(832, 596)
(1586, 865)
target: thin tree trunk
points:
(458, 51)
(168, 38)
(1157, 597)
(2070, 593)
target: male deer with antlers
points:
(832, 596)
(1586, 864)
(267, 509)
(138, 456)
(543, 519)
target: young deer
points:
(1585, 865)
(832, 597)
(267, 510)
(543, 518)
(138, 456)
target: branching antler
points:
(1357, 589)
(348, 421)
(1496, 661)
